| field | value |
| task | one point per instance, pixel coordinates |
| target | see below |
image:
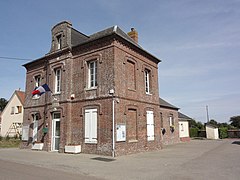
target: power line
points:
(14, 58)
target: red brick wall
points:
(112, 57)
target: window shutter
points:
(87, 126)
(91, 126)
(150, 126)
(94, 127)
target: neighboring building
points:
(183, 127)
(89, 75)
(169, 122)
(212, 131)
(12, 115)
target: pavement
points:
(197, 159)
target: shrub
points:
(193, 132)
(223, 132)
(1, 138)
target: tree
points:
(235, 121)
(213, 122)
(3, 103)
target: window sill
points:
(35, 97)
(91, 88)
(133, 141)
(134, 90)
(56, 93)
(149, 94)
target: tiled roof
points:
(166, 104)
(21, 95)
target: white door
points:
(55, 131)
(150, 126)
(35, 127)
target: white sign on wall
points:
(121, 132)
(25, 131)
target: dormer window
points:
(59, 41)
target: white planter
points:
(37, 146)
(73, 149)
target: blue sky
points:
(197, 41)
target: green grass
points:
(9, 143)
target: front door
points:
(55, 131)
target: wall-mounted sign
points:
(121, 132)
(25, 131)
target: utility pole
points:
(207, 114)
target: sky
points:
(197, 41)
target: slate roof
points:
(166, 104)
(183, 116)
(78, 38)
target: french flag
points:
(41, 89)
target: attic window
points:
(59, 41)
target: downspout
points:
(113, 122)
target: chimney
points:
(134, 35)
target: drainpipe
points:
(113, 121)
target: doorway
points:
(55, 131)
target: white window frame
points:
(91, 121)
(57, 89)
(150, 126)
(147, 81)
(92, 74)
(171, 120)
(59, 41)
(37, 80)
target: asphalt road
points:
(16, 171)
(198, 160)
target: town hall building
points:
(104, 95)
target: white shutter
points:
(94, 126)
(87, 125)
(91, 126)
(150, 126)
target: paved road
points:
(198, 160)
(16, 171)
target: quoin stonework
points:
(105, 95)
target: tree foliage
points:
(194, 124)
(3, 103)
(235, 121)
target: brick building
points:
(169, 122)
(104, 96)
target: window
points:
(37, 81)
(91, 126)
(182, 127)
(171, 120)
(161, 119)
(59, 41)
(12, 110)
(92, 74)
(147, 81)
(19, 109)
(132, 125)
(150, 126)
(57, 80)
(131, 77)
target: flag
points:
(41, 89)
